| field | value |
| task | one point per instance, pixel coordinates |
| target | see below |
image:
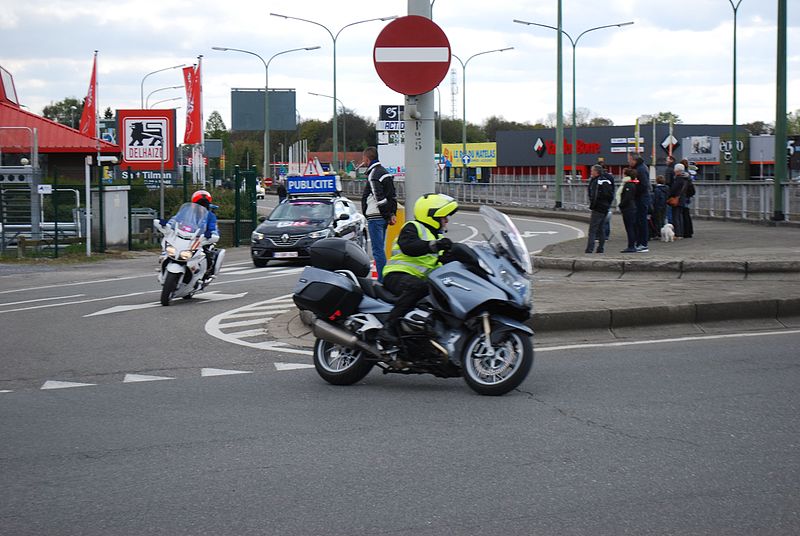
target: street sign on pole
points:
(412, 55)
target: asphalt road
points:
(695, 436)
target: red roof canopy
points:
(53, 137)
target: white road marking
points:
(697, 338)
(77, 302)
(6, 391)
(207, 296)
(132, 378)
(43, 299)
(61, 285)
(220, 325)
(242, 323)
(292, 366)
(51, 384)
(580, 232)
(206, 372)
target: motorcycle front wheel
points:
(497, 369)
(170, 284)
(339, 365)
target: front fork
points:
(487, 334)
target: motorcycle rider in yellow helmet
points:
(415, 253)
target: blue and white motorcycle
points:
(471, 324)
(183, 264)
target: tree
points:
(495, 123)
(757, 128)
(661, 117)
(108, 114)
(793, 123)
(601, 122)
(215, 126)
(67, 112)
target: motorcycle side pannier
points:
(340, 254)
(326, 294)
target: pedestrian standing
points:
(626, 203)
(601, 194)
(643, 202)
(379, 205)
(660, 194)
(679, 185)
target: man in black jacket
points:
(601, 194)
(379, 205)
(643, 202)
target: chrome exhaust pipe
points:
(336, 335)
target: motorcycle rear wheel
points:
(502, 371)
(170, 284)
(339, 365)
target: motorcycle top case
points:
(340, 254)
(326, 294)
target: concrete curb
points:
(786, 311)
(744, 268)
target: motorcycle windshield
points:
(190, 218)
(505, 237)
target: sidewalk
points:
(728, 272)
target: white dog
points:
(667, 233)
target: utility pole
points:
(780, 115)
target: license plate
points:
(285, 254)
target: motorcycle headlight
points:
(325, 233)
(170, 250)
(255, 237)
(186, 255)
(523, 287)
(485, 267)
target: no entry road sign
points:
(412, 55)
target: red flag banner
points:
(88, 124)
(191, 79)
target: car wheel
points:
(260, 263)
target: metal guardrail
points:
(744, 201)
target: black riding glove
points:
(444, 244)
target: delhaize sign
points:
(147, 138)
(481, 155)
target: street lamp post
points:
(141, 86)
(266, 164)
(574, 43)
(164, 100)
(147, 99)
(72, 116)
(734, 141)
(334, 38)
(344, 123)
(464, 101)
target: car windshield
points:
(190, 218)
(505, 237)
(312, 211)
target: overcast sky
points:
(676, 57)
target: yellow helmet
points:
(430, 207)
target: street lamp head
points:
(278, 15)
(312, 48)
(220, 48)
(388, 18)
(624, 24)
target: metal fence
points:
(746, 201)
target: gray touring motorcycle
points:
(471, 324)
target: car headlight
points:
(255, 237)
(186, 254)
(325, 233)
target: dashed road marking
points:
(131, 378)
(206, 372)
(51, 384)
